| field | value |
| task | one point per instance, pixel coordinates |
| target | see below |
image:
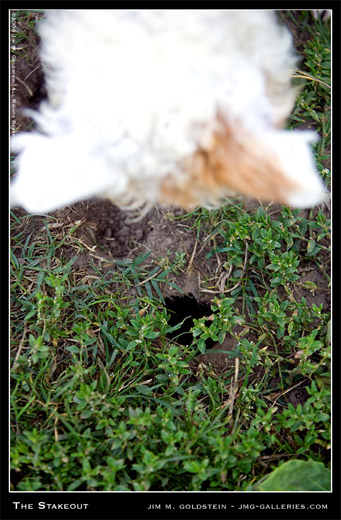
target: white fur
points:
(132, 93)
(294, 157)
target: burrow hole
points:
(186, 308)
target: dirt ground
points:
(108, 233)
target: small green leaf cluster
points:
(310, 423)
(222, 320)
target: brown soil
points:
(29, 77)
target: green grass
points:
(103, 399)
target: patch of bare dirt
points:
(113, 234)
(318, 292)
(216, 360)
(28, 80)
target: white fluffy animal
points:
(166, 106)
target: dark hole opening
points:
(186, 308)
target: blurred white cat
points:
(164, 106)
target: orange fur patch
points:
(235, 163)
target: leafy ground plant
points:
(105, 394)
